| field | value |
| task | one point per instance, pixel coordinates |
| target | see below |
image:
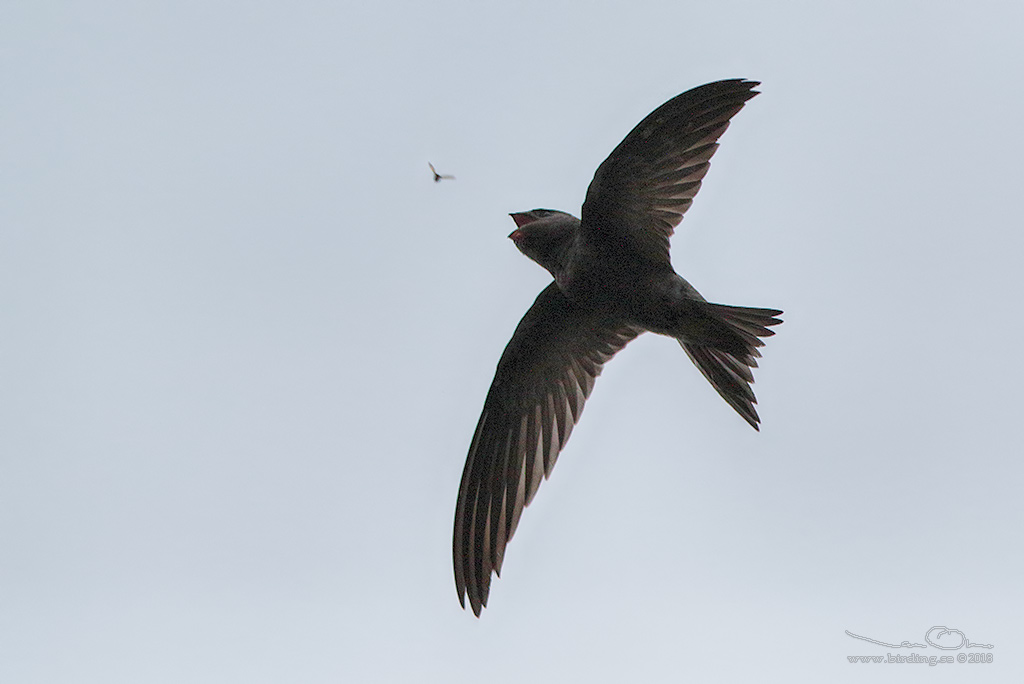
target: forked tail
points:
(726, 356)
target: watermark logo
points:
(940, 637)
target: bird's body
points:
(613, 280)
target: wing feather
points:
(647, 183)
(540, 386)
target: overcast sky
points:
(245, 339)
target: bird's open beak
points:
(521, 219)
(515, 236)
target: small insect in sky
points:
(438, 177)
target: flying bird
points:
(612, 281)
(438, 177)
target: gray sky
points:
(245, 339)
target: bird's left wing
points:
(543, 378)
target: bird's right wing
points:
(641, 191)
(543, 378)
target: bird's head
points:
(546, 236)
